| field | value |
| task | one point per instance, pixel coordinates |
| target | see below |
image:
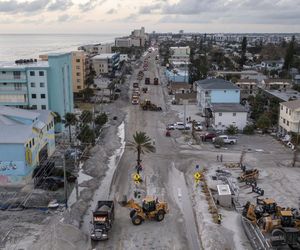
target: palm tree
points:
(70, 120)
(141, 144)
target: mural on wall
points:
(6, 166)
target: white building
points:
(289, 117)
(226, 114)
(180, 53)
(106, 63)
(123, 42)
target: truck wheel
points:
(136, 220)
(231, 142)
(160, 215)
(132, 213)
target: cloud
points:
(12, 6)
(111, 11)
(67, 18)
(59, 5)
(147, 9)
(91, 4)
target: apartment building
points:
(123, 42)
(79, 65)
(41, 85)
(180, 53)
(27, 139)
(24, 84)
(282, 84)
(289, 117)
(247, 87)
(106, 63)
(214, 91)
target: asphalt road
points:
(171, 233)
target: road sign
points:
(137, 178)
(197, 176)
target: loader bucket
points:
(123, 202)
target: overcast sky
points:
(121, 16)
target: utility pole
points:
(296, 146)
(184, 111)
(65, 182)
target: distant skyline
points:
(122, 16)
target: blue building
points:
(27, 138)
(40, 85)
(214, 91)
(60, 89)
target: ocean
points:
(18, 46)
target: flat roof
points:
(15, 133)
(284, 95)
(228, 107)
(216, 83)
(25, 114)
(13, 65)
(104, 56)
(223, 190)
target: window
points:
(220, 123)
(33, 142)
(234, 114)
(286, 110)
(3, 72)
(78, 80)
(281, 107)
(42, 84)
(32, 84)
(18, 86)
(41, 73)
(77, 74)
(34, 107)
(78, 87)
(220, 114)
(284, 121)
(236, 91)
(33, 96)
(5, 83)
(43, 96)
(287, 123)
(44, 107)
(224, 91)
(290, 112)
(78, 60)
(17, 74)
(77, 67)
(30, 144)
(32, 73)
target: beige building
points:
(277, 84)
(78, 70)
(289, 117)
(247, 86)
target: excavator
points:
(148, 105)
(249, 175)
(150, 209)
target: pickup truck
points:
(226, 139)
(103, 217)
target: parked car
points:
(226, 139)
(188, 126)
(209, 136)
(179, 125)
(170, 126)
(198, 127)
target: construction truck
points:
(148, 105)
(103, 217)
(155, 82)
(151, 209)
(249, 175)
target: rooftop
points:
(278, 80)
(284, 96)
(104, 56)
(13, 65)
(247, 81)
(15, 133)
(292, 104)
(228, 107)
(216, 83)
(180, 85)
(223, 190)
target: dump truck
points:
(103, 217)
(148, 105)
(155, 81)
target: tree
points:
(86, 135)
(248, 130)
(232, 130)
(57, 118)
(243, 53)
(263, 122)
(87, 93)
(86, 116)
(101, 119)
(289, 56)
(70, 120)
(141, 144)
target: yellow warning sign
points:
(197, 176)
